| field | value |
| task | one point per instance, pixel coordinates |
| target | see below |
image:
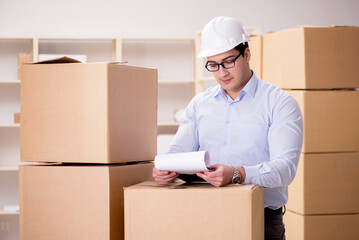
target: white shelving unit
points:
(10, 132)
(175, 60)
(181, 77)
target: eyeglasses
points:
(228, 63)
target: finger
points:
(203, 176)
(213, 167)
(161, 172)
(215, 174)
(163, 182)
(168, 180)
(199, 174)
(216, 184)
(168, 176)
(171, 175)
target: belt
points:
(271, 212)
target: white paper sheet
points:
(184, 163)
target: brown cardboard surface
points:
(21, 59)
(75, 202)
(133, 113)
(328, 227)
(255, 46)
(16, 117)
(88, 113)
(312, 58)
(325, 184)
(194, 211)
(330, 120)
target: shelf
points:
(11, 125)
(208, 79)
(158, 39)
(10, 81)
(167, 128)
(162, 124)
(16, 38)
(76, 39)
(2, 212)
(175, 81)
(9, 169)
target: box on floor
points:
(328, 227)
(312, 58)
(325, 183)
(193, 211)
(76, 201)
(330, 120)
(88, 112)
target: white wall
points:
(162, 18)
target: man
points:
(252, 129)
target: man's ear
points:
(247, 55)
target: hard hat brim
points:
(213, 52)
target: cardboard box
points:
(21, 59)
(312, 58)
(75, 201)
(193, 211)
(16, 117)
(330, 120)
(255, 46)
(325, 184)
(314, 227)
(88, 113)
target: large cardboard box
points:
(76, 201)
(330, 120)
(321, 227)
(88, 113)
(325, 184)
(193, 211)
(312, 58)
(255, 46)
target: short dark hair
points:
(241, 47)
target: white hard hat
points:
(221, 34)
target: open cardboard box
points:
(88, 112)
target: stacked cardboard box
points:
(318, 66)
(94, 128)
(193, 211)
(255, 45)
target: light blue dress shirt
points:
(261, 130)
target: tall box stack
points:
(318, 67)
(92, 128)
(256, 46)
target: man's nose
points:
(222, 71)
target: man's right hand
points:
(164, 177)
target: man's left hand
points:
(220, 176)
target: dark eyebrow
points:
(224, 59)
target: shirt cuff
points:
(251, 172)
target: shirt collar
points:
(250, 88)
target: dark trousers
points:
(273, 224)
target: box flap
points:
(330, 26)
(63, 59)
(119, 62)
